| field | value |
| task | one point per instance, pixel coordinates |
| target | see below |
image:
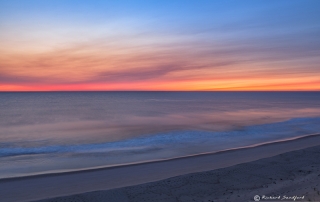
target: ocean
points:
(53, 132)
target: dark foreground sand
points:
(295, 173)
(291, 174)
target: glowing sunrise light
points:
(167, 45)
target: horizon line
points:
(48, 91)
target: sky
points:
(167, 45)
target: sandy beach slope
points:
(224, 176)
(289, 176)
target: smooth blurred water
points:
(48, 132)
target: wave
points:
(66, 171)
(242, 136)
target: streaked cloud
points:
(250, 46)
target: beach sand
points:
(290, 168)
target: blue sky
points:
(159, 44)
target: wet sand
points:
(290, 168)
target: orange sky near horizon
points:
(144, 50)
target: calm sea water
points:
(65, 131)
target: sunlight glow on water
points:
(48, 132)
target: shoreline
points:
(90, 169)
(69, 183)
(291, 176)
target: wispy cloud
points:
(250, 47)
